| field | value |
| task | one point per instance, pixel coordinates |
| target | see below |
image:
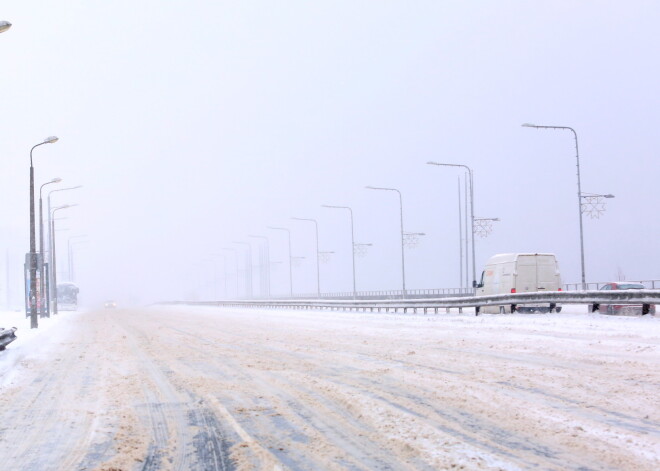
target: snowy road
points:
(199, 388)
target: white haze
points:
(193, 124)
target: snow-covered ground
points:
(180, 387)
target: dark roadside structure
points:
(7, 336)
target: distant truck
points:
(520, 273)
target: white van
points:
(520, 273)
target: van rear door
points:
(526, 279)
(547, 278)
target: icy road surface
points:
(201, 388)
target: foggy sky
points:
(195, 124)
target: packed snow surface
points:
(198, 388)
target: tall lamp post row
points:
(43, 275)
(584, 200)
(40, 291)
(51, 245)
(354, 246)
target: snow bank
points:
(30, 344)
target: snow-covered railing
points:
(593, 298)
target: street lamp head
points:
(56, 180)
(381, 188)
(608, 196)
(303, 219)
(51, 140)
(377, 188)
(56, 208)
(4, 26)
(528, 125)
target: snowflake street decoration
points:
(411, 239)
(594, 206)
(483, 226)
(361, 249)
(296, 261)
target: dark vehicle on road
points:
(625, 308)
(67, 296)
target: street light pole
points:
(248, 266)
(236, 264)
(579, 193)
(403, 260)
(318, 270)
(267, 262)
(474, 266)
(32, 296)
(460, 234)
(45, 296)
(52, 235)
(288, 232)
(70, 255)
(352, 241)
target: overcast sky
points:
(193, 124)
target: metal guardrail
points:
(593, 298)
(446, 292)
(649, 284)
(390, 294)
